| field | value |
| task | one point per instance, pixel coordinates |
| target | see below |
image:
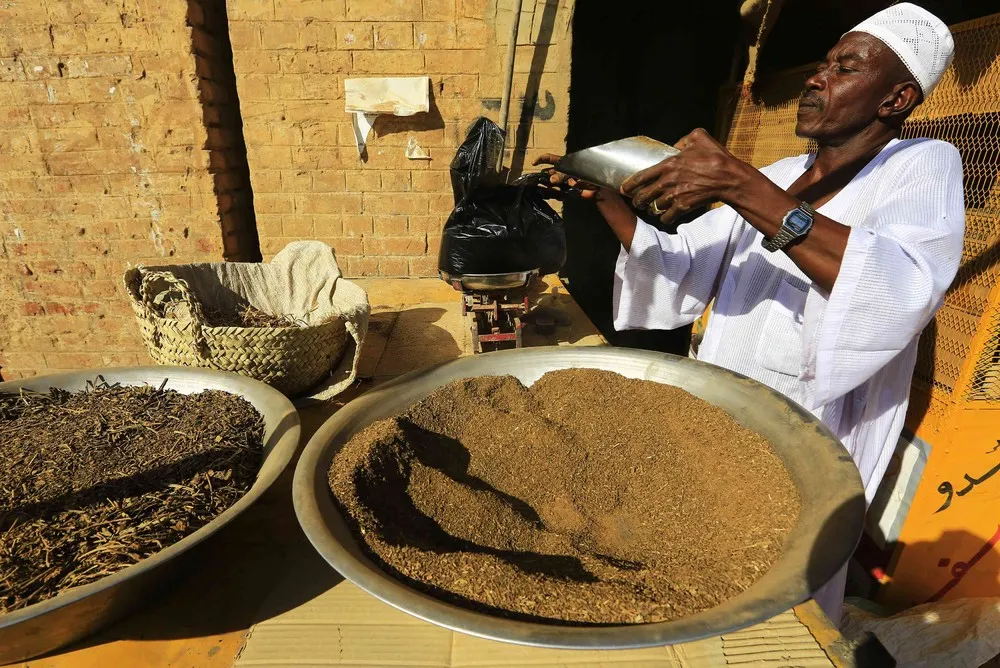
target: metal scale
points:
(494, 307)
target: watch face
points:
(798, 222)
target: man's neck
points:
(854, 152)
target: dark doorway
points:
(822, 22)
(640, 67)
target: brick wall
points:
(105, 160)
(124, 142)
(383, 216)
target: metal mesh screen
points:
(763, 127)
(963, 110)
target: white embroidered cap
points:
(920, 39)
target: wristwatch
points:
(795, 225)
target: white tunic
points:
(847, 356)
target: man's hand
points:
(702, 173)
(612, 205)
(560, 184)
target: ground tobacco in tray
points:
(587, 498)
(96, 481)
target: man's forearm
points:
(763, 204)
(620, 218)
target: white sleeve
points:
(665, 281)
(897, 266)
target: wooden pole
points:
(508, 81)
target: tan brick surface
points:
(103, 164)
(117, 146)
(386, 214)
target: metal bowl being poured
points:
(610, 164)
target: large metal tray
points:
(80, 611)
(827, 531)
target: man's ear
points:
(901, 101)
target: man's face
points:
(844, 94)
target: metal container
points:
(489, 282)
(610, 164)
(79, 612)
(827, 531)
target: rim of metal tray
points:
(829, 526)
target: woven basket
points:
(290, 359)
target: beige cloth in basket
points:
(304, 281)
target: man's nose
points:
(816, 82)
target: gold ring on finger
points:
(656, 210)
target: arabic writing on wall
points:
(949, 492)
(960, 568)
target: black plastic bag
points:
(503, 229)
(477, 158)
(497, 228)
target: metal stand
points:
(493, 319)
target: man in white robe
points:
(824, 267)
